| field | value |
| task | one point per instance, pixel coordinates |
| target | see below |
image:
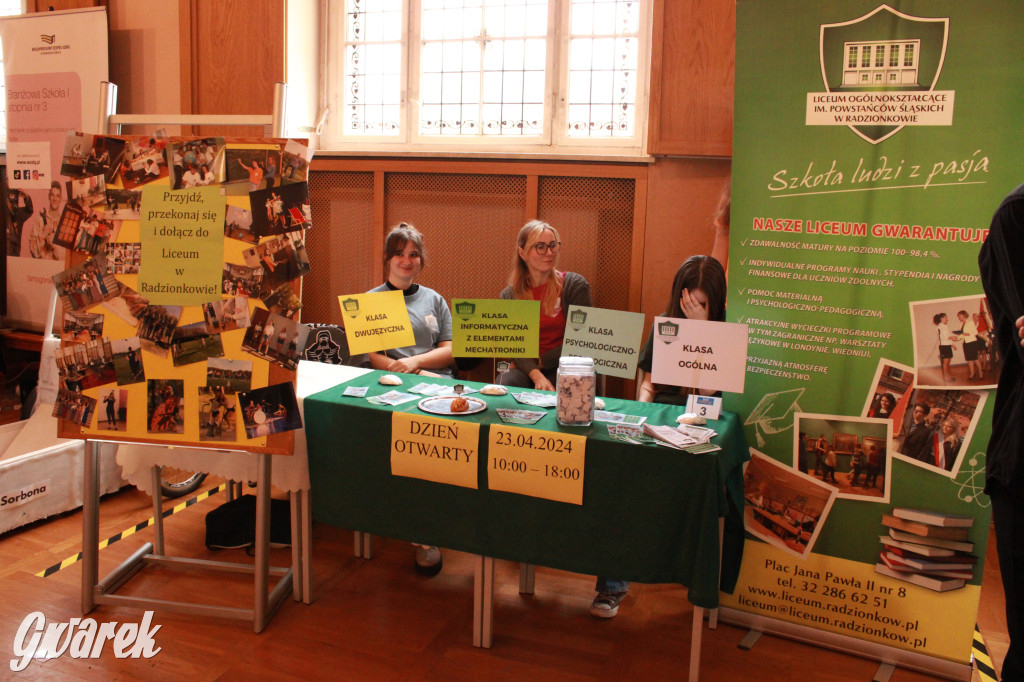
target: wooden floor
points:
(378, 620)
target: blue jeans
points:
(611, 585)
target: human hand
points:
(692, 309)
(1020, 329)
(404, 366)
(540, 382)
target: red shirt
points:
(552, 327)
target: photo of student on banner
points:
(847, 453)
(782, 506)
(890, 393)
(123, 204)
(86, 284)
(242, 280)
(268, 410)
(86, 155)
(280, 209)
(74, 407)
(81, 327)
(143, 162)
(953, 344)
(194, 343)
(283, 259)
(165, 413)
(936, 429)
(238, 224)
(128, 360)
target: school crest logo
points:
(880, 73)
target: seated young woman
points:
(535, 277)
(698, 293)
(431, 354)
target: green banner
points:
(872, 146)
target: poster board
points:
(54, 63)
(210, 353)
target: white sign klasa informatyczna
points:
(699, 354)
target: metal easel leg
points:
(262, 573)
(306, 531)
(158, 511)
(298, 575)
(90, 524)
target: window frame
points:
(555, 140)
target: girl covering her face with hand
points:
(698, 293)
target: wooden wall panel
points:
(235, 52)
(59, 5)
(692, 77)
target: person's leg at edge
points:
(610, 592)
(1008, 519)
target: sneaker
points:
(428, 561)
(606, 604)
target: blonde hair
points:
(519, 279)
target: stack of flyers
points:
(618, 418)
(391, 398)
(629, 433)
(536, 399)
(702, 448)
(519, 416)
(356, 391)
(701, 434)
(424, 388)
(666, 435)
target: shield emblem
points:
(351, 306)
(577, 319)
(465, 309)
(884, 50)
(668, 331)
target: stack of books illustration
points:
(927, 548)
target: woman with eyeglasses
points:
(698, 293)
(535, 277)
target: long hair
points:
(704, 273)
(400, 235)
(519, 279)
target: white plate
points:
(443, 405)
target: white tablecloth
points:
(287, 472)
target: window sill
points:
(467, 155)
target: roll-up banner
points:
(873, 142)
(54, 63)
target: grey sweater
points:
(575, 291)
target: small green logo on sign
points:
(669, 330)
(577, 319)
(351, 307)
(465, 309)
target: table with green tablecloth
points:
(649, 514)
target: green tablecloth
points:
(649, 514)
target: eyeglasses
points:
(542, 247)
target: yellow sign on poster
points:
(376, 322)
(434, 449)
(182, 235)
(536, 463)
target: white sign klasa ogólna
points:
(699, 354)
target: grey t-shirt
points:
(431, 324)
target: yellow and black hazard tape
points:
(73, 559)
(982, 661)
